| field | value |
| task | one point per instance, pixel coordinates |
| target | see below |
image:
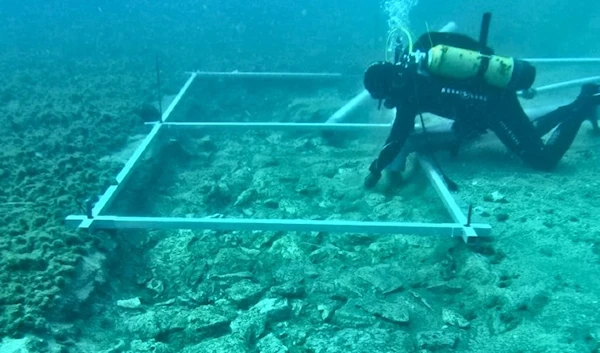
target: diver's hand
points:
(371, 180)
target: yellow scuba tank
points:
(465, 60)
(464, 64)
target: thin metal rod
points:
(570, 83)
(563, 60)
(532, 92)
(158, 90)
(248, 74)
(287, 225)
(279, 126)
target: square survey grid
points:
(158, 138)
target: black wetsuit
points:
(475, 108)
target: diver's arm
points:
(402, 127)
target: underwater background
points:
(78, 79)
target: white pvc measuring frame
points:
(99, 220)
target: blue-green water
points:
(78, 79)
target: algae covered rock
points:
(204, 321)
(358, 340)
(352, 315)
(133, 303)
(231, 260)
(436, 340)
(89, 274)
(251, 324)
(271, 344)
(385, 278)
(224, 344)
(289, 289)
(9, 345)
(144, 326)
(454, 319)
(138, 346)
(396, 312)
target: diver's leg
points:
(520, 135)
(547, 118)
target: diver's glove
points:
(589, 95)
(371, 180)
(374, 175)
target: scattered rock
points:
(249, 325)
(219, 194)
(264, 239)
(225, 344)
(286, 248)
(231, 260)
(501, 216)
(232, 277)
(352, 316)
(454, 319)
(292, 271)
(271, 344)
(206, 144)
(308, 188)
(477, 269)
(328, 170)
(328, 309)
(375, 199)
(137, 346)
(347, 287)
(396, 312)
(290, 289)
(358, 340)
(245, 293)
(271, 203)
(262, 161)
(156, 286)
(204, 321)
(89, 275)
(321, 287)
(120, 346)
(323, 253)
(133, 303)
(435, 340)
(504, 321)
(495, 197)
(9, 345)
(381, 250)
(446, 288)
(245, 197)
(481, 211)
(548, 224)
(276, 309)
(298, 306)
(385, 278)
(143, 326)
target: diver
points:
(459, 78)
